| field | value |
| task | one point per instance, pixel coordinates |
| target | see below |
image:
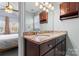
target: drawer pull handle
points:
(50, 46)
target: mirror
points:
(37, 19)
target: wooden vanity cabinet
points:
(31, 49)
(54, 47)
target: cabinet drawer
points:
(50, 53)
(46, 46)
(60, 39)
(63, 48)
(58, 51)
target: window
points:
(13, 25)
(1, 25)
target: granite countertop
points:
(44, 37)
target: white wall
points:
(28, 21)
(72, 27)
(50, 25)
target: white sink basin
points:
(40, 37)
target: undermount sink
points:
(40, 37)
(42, 34)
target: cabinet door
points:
(50, 53)
(77, 6)
(58, 51)
(63, 48)
(72, 7)
(31, 49)
(64, 8)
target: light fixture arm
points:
(8, 3)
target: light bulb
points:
(10, 7)
(36, 4)
(46, 3)
(8, 10)
(41, 6)
(52, 8)
(44, 8)
(49, 6)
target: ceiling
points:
(30, 7)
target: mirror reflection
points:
(39, 17)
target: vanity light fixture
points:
(36, 4)
(46, 6)
(8, 8)
(47, 10)
(41, 6)
(49, 6)
(52, 8)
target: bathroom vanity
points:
(45, 44)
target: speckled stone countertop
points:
(44, 37)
